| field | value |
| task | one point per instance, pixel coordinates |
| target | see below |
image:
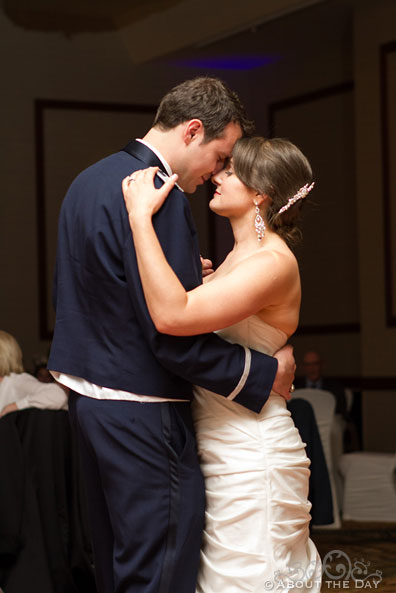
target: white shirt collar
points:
(159, 155)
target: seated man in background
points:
(345, 426)
(19, 390)
(313, 366)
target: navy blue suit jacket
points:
(103, 331)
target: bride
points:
(256, 536)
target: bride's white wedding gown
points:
(256, 537)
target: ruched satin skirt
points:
(256, 471)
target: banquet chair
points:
(323, 404)
(369, 486)
(44, 534)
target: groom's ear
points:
(193, 131)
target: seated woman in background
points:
(19, 390)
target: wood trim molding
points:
(385, 105)
(370, 383)
(367, 383)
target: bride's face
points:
(232, 197)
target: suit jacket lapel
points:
(143, 153)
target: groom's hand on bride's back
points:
(286, 370)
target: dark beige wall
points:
(342, 255)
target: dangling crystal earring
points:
(259, 223)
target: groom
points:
(131, 387)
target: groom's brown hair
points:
(207, 99)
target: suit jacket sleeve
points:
(230, 370)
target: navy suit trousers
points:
(145, 492)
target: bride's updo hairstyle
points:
(277, 168)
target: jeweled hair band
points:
(302, 193)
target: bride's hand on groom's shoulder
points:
(142, 198)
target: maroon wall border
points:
(385, 50)
(373, 383)
(40, 108)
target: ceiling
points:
(150, 28)
(80, 16)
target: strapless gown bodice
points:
(256, 480)
(255, 333)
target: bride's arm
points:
(255, 283)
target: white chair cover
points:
(369, 486)
(323, 404)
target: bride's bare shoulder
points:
(276, 261)
(276, 257)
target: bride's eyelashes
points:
(228, 170)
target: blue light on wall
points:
(235, 62)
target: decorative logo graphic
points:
(337, 566)
(337, 572)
